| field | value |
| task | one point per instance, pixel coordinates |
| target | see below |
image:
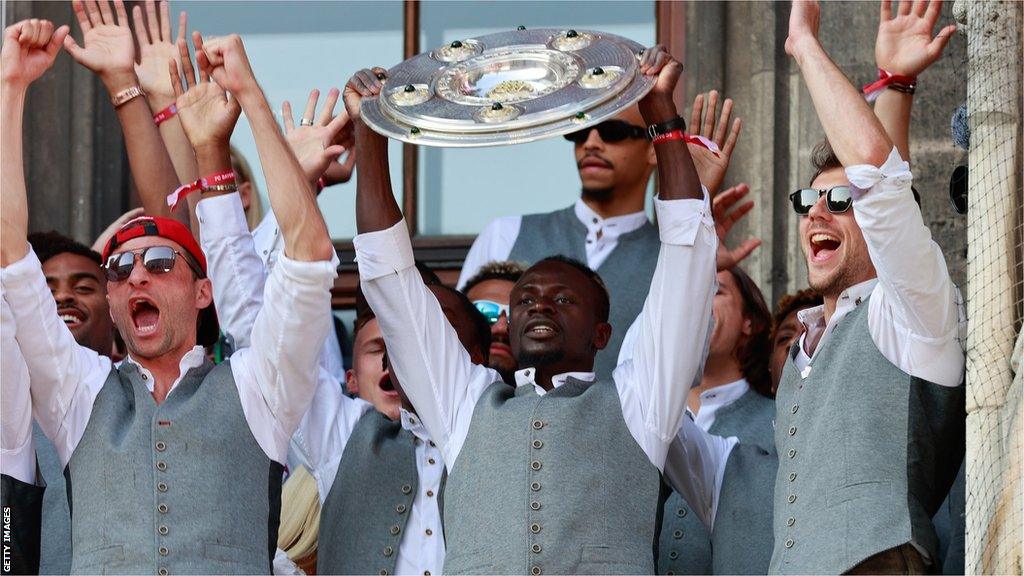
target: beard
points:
(539, 357)
(844, 276)
(597, 194)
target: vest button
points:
(406, 488)
(400, 508)
(160, 446)
(681, 512)
(678, 534)
(790, 521)
(792, 452)
(535, 464)
(789, 543)
(388, 551)
(535, 486)
(538, 444)
(162, 572)
(163, 530)
(161, 487)
(537, 424)
(792, 476)
(164, 551)
(792, 498)
(535, 505)
(673, 555)
(395, 529)
(161, 465)
(795, 408)
(162, 508)
(535, 571)
(383, 573)
(535, 528)
(426, 573)
(792, 430)
(535, 548)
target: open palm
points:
(107, 47)
(712, 166)
(152, 68)
(905, 44)
(206, 114)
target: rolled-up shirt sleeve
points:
(914, 311)
(425, 353)
(673, 328)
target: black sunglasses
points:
(156, 259)
(838, 199)
(611, 131)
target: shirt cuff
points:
(680, 220)
(383, 252)
(317, 273)
(20, 462)
(22, 272)
(221, 217)
(894, 172)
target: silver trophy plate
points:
(508, 88)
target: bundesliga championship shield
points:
(508, 88)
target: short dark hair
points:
(823, 158)
(604, 300)
(481, 326)
(507, 270)
(49, 244)
(755, 354)
(790, 303)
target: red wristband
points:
(165, 114)
(885, 80)
(689, 139)
(225, 177)
(184, 190)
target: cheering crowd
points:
(601, 394)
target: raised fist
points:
(366, 82)
(29, 49)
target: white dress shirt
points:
(324, 431)
(915, 314)
(17, 452)
(443, 383)
(496, 240)
(274, 376)
(269, 246)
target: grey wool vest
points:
(181, 487)
(551, 484)
(364, 516)
(744, 504)
(866, 455)
(626, 272)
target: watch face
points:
(508, 88)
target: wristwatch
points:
(127, 94)
(655, 130)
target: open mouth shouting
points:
(823, 245)
(387, 386)
(145, 315)
(71, 316)
(540, 329)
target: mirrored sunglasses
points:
(838, 199)
(156, 259)
(491, 310)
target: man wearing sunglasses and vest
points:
(174, 464)
(870, 408)
(606, 228)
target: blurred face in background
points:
(497, 292)
(368, 378)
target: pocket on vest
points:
(837, 496)
(470, 562)
(613, 560)
(96, 560)
(227, 553)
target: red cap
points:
(158, 226)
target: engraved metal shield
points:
(508, 88)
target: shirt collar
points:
(528, 375)
(613, 226)
(414, 424)
(194, 358)
(848, 300)
(726, 393)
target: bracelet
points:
(165, 114)
(216, 182)
(898, 82)
(689, 139)
(220, 188)
(126, 95)
(181, 192)
(672, 136)
(655, 130)
(225, 177)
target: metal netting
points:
(994, 290)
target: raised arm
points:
(673, 327)
(320, 139)
(59, 369)
(905, 47)
(435, 370)
(109, 52)
(17, 455)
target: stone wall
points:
(737, 48)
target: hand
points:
(724, 221)
(229, 65)
(804, 19)
(905, 45)
(658, 105)
(109, 51)
(712, 168)
(206, 114)
(363, 83)
(155, 49)
(108, 233)
(29, 49)
(312, 145)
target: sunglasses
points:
(838, 199)
(611, 131)
(491, 310)
(156, 259)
